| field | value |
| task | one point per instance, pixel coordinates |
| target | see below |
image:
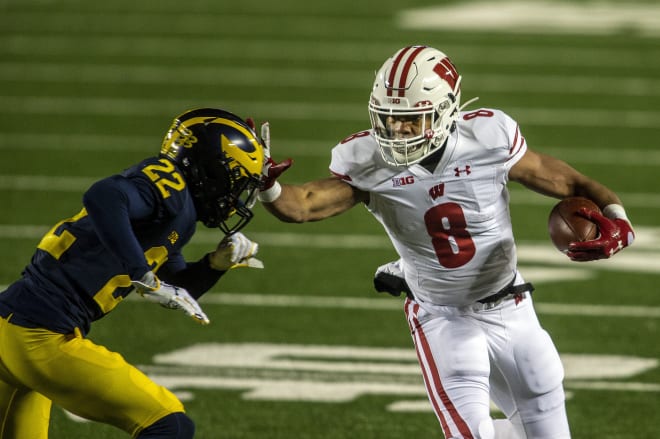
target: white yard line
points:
(392, 304)
(305, 111)
(539, 262)
(630, 156)
(252, 47)
(551, 17)
(387, 303)
(80, 184)
(308, 78)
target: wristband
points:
(271, 194)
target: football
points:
(566, 226)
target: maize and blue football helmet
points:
(221, 159)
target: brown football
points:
(566, 226)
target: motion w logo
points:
(437, 191)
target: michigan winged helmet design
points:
(221, 159)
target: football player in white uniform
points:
(436, 178)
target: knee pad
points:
(173, 426)
(539, 364)
(497, 429)
(487, 429)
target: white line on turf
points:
(315, 111)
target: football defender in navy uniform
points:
(128, 237)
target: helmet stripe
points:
(406, 70)
(408, 54)
(393, 69)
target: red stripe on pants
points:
(424, 352)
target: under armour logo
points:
(619, 246)
(457, 171)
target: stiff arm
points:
(315, 200)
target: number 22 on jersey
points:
(165, 177)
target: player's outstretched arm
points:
(311, 201)
(314, 200)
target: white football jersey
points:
(451, 227)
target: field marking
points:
(387, 303)
(321, 373)
(341, 374)
(537, 17)
(629, 156)
(308, 78)
(384, 302)
(80, 184)
(508, 16)
(254, 48)
(642, 257)
(304, 111)
(366, 360)
(647, 240)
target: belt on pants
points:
(509, 290)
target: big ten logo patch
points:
(402, 181)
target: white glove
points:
(392, 268)
(169, 296)
(235, 251)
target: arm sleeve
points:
(197, 277)
(111, 204)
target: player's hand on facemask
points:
(270, 189)
(235, 251)
(389, 279)
(614, 235)
(169, 296)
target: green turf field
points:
(305, 348)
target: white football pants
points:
(470, 355)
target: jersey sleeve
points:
(357, 161)
(112, 203)
(498, 133)
(517, 146)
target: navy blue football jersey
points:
(132, 222)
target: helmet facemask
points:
(223, 194)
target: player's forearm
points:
(314, 201)
(197, 278)
(291, 206)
